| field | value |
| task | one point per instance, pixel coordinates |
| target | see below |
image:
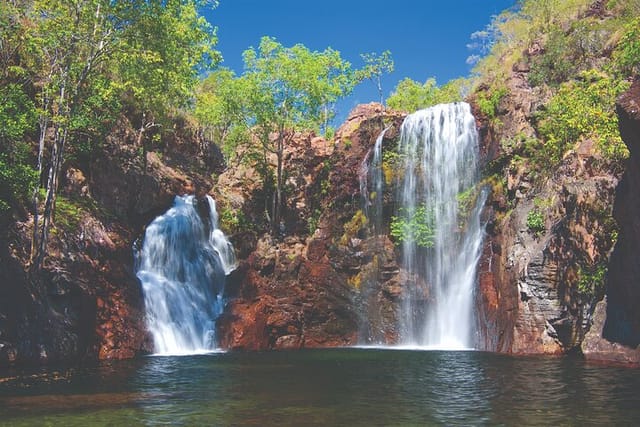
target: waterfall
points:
(372, 172)
(182, 267)
(442, 234)
(371, 331)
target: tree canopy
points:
(410, 95)
(69, 67)
(282, 90)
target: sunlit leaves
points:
(416, 226)
(411, 96)
(294, 87)
(583, 108)
(626, 57)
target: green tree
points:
(74, 37)
(375, 65)
(165, 47)
(91, 54)
(286, 89)
(219, 110)
(17, 176)
(410, 95)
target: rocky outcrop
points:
(310, 287)
(549, 235)
(138, 184)
(595, 348)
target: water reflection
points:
(327, 387)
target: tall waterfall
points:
(440, 212)
(182, 267)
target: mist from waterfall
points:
(182, 266)
(438, 196)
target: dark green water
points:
(347, 387)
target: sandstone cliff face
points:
(331, 279)
(310, 288)
(538, 287)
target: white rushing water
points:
(439, 146)
(182, 267)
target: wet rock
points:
(596, 348)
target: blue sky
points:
(426, 38)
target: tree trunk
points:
(44, 126)
(55, 165)
(277, 208)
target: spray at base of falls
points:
(439, 192)
(182, 266)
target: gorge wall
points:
(329, 279)
(541, 290)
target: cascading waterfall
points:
(372, 172)
(182, 267)
(440, 210)
(371, 332)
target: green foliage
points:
(592, 280)
(410, 95)
(329, 133)
(392, 165)
(416, 226)
(163, 53)
(566, 53)
(347, 143)
(290, 87)
(583, 109)
(69, 213)
(626, 56)
(535, 221)
(554, 66)
(466, 201)
(489, 100)
(518, 29)
(353, 227)
(17, 113)
(17, 176)
(314, 220)
(219, 110)
(375, 66)
(233, 221)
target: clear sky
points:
(426, 38)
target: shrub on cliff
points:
(583, 108)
